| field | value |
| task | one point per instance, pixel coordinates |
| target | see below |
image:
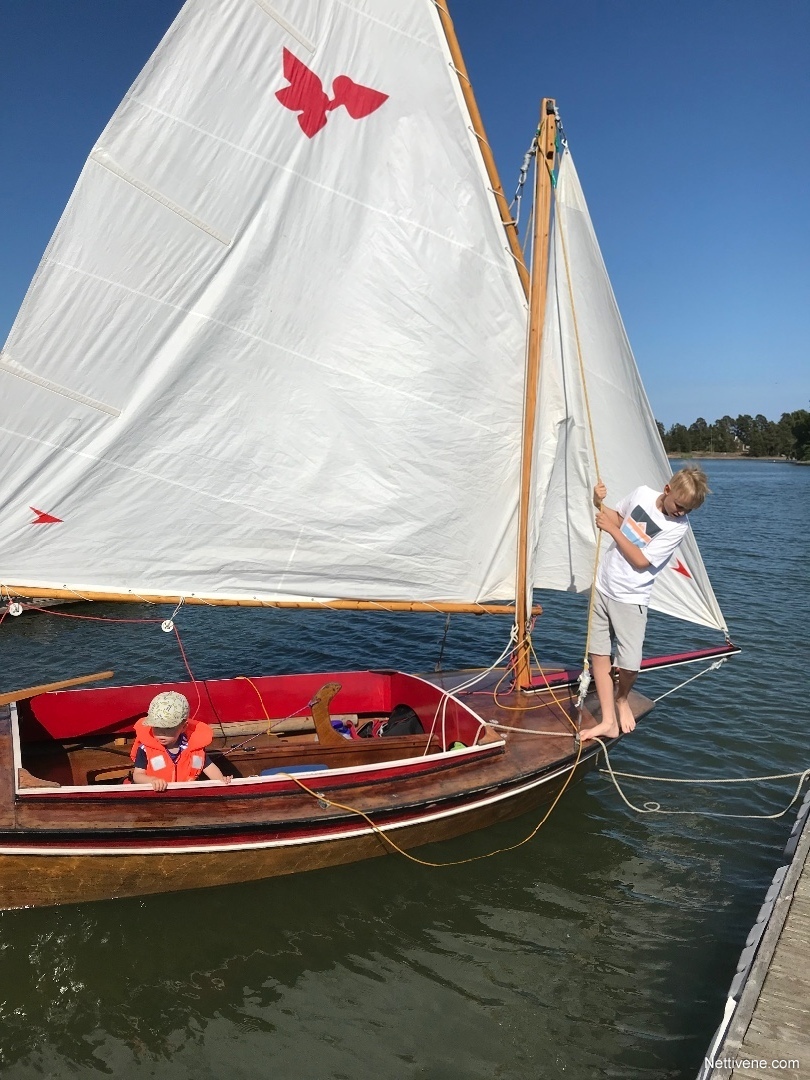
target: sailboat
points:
(284, 349)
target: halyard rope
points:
(585, 677)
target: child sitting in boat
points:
(646, 528)
(170, 747)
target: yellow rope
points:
(532, 731)
(270, 723)
(261, 702)
(540, 705)
(586, 398)
(455, 862)
(554, 697)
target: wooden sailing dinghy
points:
(276, 354)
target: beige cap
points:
(167, 710)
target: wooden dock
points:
(765, 1031)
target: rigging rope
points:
(711, 667)
(655, 807)
(443, 643)
(325, 802)
(522, 175)
(585, 677)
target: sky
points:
(688, 121)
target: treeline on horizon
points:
(755, 436)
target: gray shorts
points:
(619, 624)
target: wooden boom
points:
(443, 606)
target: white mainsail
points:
(588, 377)
(275, 348)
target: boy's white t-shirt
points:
(650, 530)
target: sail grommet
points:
(15, 608)
(167, 626)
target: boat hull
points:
(33, 879)
(71, 831)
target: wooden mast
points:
(544, 164)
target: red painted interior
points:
(72, 714)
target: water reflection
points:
(581, 949)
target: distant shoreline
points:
(706, 456)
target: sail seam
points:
(392, 29)
(400, 219)
(282, 22)
(11, 367)
(102, 158)
(196, 489)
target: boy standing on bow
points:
(646, 528)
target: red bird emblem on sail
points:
(305, 95)
(680, 568)
(44, 519)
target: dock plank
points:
(769, 1033)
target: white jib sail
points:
(275, 347)
(581, 305)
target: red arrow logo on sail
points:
(680, 568)
(305, 95)
(44, 519)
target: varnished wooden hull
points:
(42, 880)
(68, 844)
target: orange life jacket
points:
(189, 763)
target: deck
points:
(765, 1032)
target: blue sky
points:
(688, 122)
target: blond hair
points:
(690, 486)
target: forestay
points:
(275, 348)
(583, 323)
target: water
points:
(603, 948)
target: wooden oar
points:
(45, 688)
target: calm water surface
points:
(603, 948)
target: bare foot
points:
(627, 721)
(607, 729)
